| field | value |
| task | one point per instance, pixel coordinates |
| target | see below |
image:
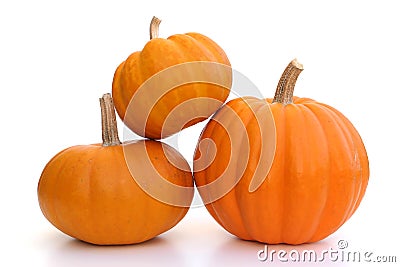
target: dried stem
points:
(154, 25)
(108, 121)
(284, 90)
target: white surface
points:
(57, 59)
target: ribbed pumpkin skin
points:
(87, 192)
(160, 54)
(317, 179)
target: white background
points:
(57, 58)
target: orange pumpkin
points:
(89, 193)
(283, 170)
(171, 84)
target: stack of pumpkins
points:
(282, 170)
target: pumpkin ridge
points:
(340, 134)
(345, 130)
(206, 55)
(324, 214)
(216, 208)
(86, 154)
(227, 123)
(94, 181)
(117, 84)
(64, 164)
(281, 142)
(42, 182)
(345, 127)
(214, 54)
(48, 209)
(328, 196)
(88, 199)
(173, 93)
(249, 105)
(246, 103)
(164, 59)
(364, 168)
(125, 85)
(59, 213)
(123, 191)
(306, 105)
(139, 73)
(286, 232)
(211, 46)
(303, 177)
(327, 167)
(118, 92)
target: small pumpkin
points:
(171, 84)
(284, 170)
(89, 193)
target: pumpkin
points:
(89, 193)
(171, 84)
(283, 170)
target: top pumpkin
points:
(171, 84)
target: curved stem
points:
(154, 25)
(108, 121)
(284, 90)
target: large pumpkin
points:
(283, 170)
(171, 84)
(89, 192)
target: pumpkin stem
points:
(108, 121)
(284, 90)
(154, 25)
